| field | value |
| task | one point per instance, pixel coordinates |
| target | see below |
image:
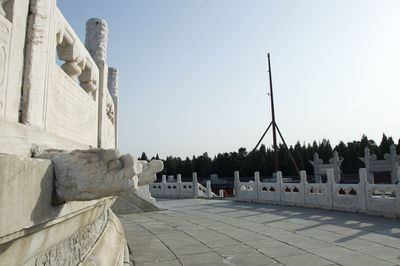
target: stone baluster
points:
(179, 178)
(88, 80)
(279, 184)
(397, 191)
(209, 191)
(195, 185)
(329, 185)
(163, 185)
(256, 177)
(316, 163)
(303, 180)
(74, 61)
(236, 183)
(362, 188)
(394, 160)
(113, 83)
(96, 43)
(113, 88)
(398, 176)
(367, 161)
(336, 161)
(179, 184)
(257, 185)
(303, 177)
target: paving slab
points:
(225, 232)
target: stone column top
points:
(113, 82)
(97, 39)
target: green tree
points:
(187, 168)
(143, 157)
(384, 146)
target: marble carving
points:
(96, 173)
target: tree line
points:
(224, 164)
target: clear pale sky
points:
(193, 73)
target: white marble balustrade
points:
(375, 199)
(179, 189)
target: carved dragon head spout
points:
(97, 173)
(149, 171)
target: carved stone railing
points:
(181, 189)
(383, 199)
(71, 101)
(79, 64)
(321, 168)
(389, 164)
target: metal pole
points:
(287, 148)
(255, 148)
(271, 94)
(258, 143)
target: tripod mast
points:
(271, 94)
(274, 128)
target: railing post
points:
(303, 180)
(329, 185)
(236, 184)
(398, 176)
(195, 185)
(279, 185)
(96, 43)
(367, 163)
(113, 88)
(362, 187)
(17, 13)
(209, 191)
(163, 184)
(257, 185)
(179, 184)
(394, 158)
(40, 54)
(397, 192)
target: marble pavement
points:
(224, 232)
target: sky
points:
(193, 74)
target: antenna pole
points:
(271, 94)
(274, 128)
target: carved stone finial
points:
(96, 40)
(113, 82)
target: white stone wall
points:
(383, 199)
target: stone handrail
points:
(375, 199)
(79, 65)
(181, 189)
